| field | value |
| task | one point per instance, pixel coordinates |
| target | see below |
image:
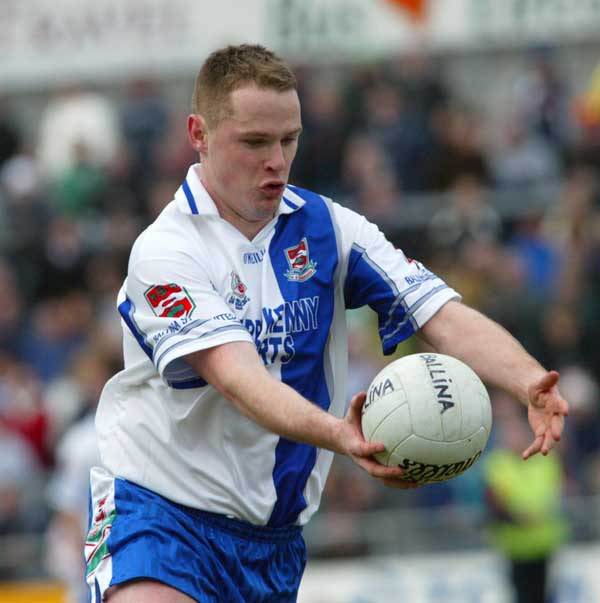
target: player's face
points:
(247, 156)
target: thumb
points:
(357, 403)
(548, 381)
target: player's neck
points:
(248, 227)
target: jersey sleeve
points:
(172, 309)
(403, 292)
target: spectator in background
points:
(12, 317)
(58, 329)
(493, 279)
(416, 74)
(589, 307)
(585, 148)
(526, 523)
(25, 456)
(10, 136)
(144, 121)
(360, 78)
(323, 138)
(122, 225)
(22, 408)
(62, 264)
(468, 217)
(67, 492)
(378, 199)
(364, 157)
(537, 255)
(159, 192)
(581, 444)
(524, 160)
(77, 116)
(458, 149)
(540, 99)
(561, 335)
(103, 277)
(80, 189)
(24, 215)
(402, 133)
(20, 508)
(573, 227)
(73, 394)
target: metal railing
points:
(433, 530)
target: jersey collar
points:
(193, 198)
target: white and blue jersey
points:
(194, 281)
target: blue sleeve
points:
(403, 292)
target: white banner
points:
(451, 578)
(468, 23)
(47, 42)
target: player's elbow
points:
(233, 369)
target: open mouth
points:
(273, 189)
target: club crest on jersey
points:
(170, 300)
(237, 298)
(301, 266)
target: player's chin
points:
(267, 205)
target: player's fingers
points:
(548, 443)
(357, 401)
(557, 424)
(354, 409)
(368, 449)
(563, 407)
(378, 470)
(400, 484)
(534, 448)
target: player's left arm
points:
(501, 361)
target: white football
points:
(433, 414)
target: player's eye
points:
(288, 140)
(254, 142)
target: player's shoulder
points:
(167, 235)
(342, 215)
(304, 194)
(299, 197)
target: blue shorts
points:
(135, 533)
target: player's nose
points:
(276, 160)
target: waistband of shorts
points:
(232, 525)
(239, 527)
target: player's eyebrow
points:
(262, 134)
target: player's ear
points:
(197, 133)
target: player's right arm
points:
(237, 373)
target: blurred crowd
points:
(76, 189)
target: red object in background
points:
(416, 8)
(33, 428)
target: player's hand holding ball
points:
(433, 415)
(362, 451)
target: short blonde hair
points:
(230, 67)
